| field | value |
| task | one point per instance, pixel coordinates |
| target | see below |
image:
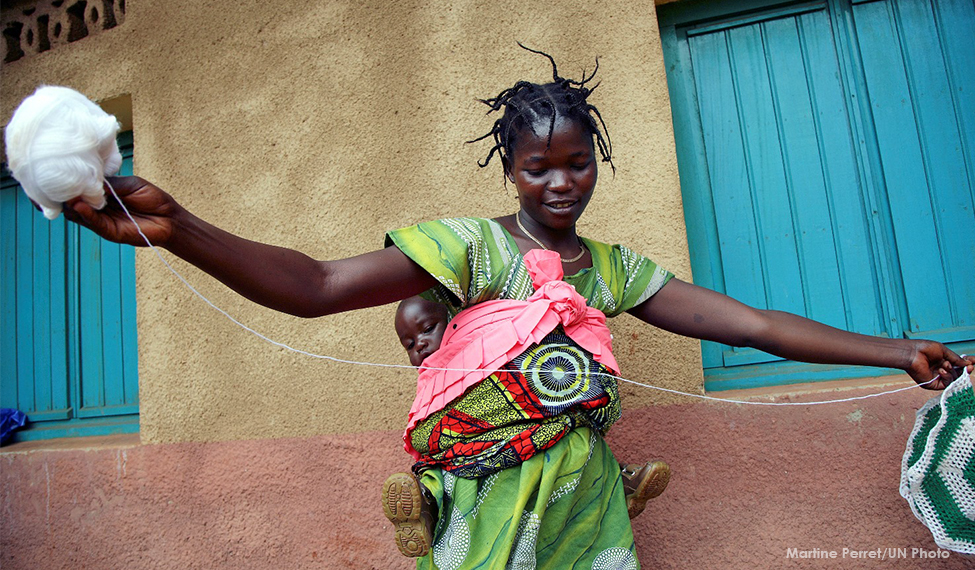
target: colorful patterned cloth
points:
(557, 500)
(545, 374)
(514, 414)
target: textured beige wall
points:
(318, 125)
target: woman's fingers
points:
(959, 362)
(77, 211)
(124, 186)
(953, 365)
(949, 367)
(83, 214)
(112, 223)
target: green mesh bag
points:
(938, 471)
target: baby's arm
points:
(276, 277)
(693, 311)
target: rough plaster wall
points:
(320, 125)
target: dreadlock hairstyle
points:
(525, 104)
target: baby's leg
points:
(642, 483)
(412, 511)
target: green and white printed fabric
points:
(938, 471)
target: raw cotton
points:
(61, 146)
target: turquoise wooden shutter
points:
(33, 309)
(813, 179)
(107, 323)
(919, 68)
(69, 359)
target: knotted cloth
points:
(938, 471)
(61, 146)
(484, 337)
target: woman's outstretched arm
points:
(276, 277)
(697, 312)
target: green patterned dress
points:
(561, 503)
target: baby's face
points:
(420, 326)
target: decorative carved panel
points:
(33, 27)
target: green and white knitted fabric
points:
(938, 471)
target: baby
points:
(420, 325)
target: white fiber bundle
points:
(60, 146)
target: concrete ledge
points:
(74, 443)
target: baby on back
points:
(420, 325)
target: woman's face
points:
(554, 181)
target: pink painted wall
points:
(750, 482)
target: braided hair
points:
(525, 104)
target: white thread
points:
(61, 146)
(703, 397)
(381, 365)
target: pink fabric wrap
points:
(486, 336)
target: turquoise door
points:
(827, 160)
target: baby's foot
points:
(412, 511)
(642, 483)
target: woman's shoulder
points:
(467, 221)
(468, 256)
(626, 275)
(460, 219)
(486, 225)
(475, 239)
(463, 225)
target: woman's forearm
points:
(799, 338)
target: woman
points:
(558, 504)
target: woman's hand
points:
(154, 211)
(932, 360)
